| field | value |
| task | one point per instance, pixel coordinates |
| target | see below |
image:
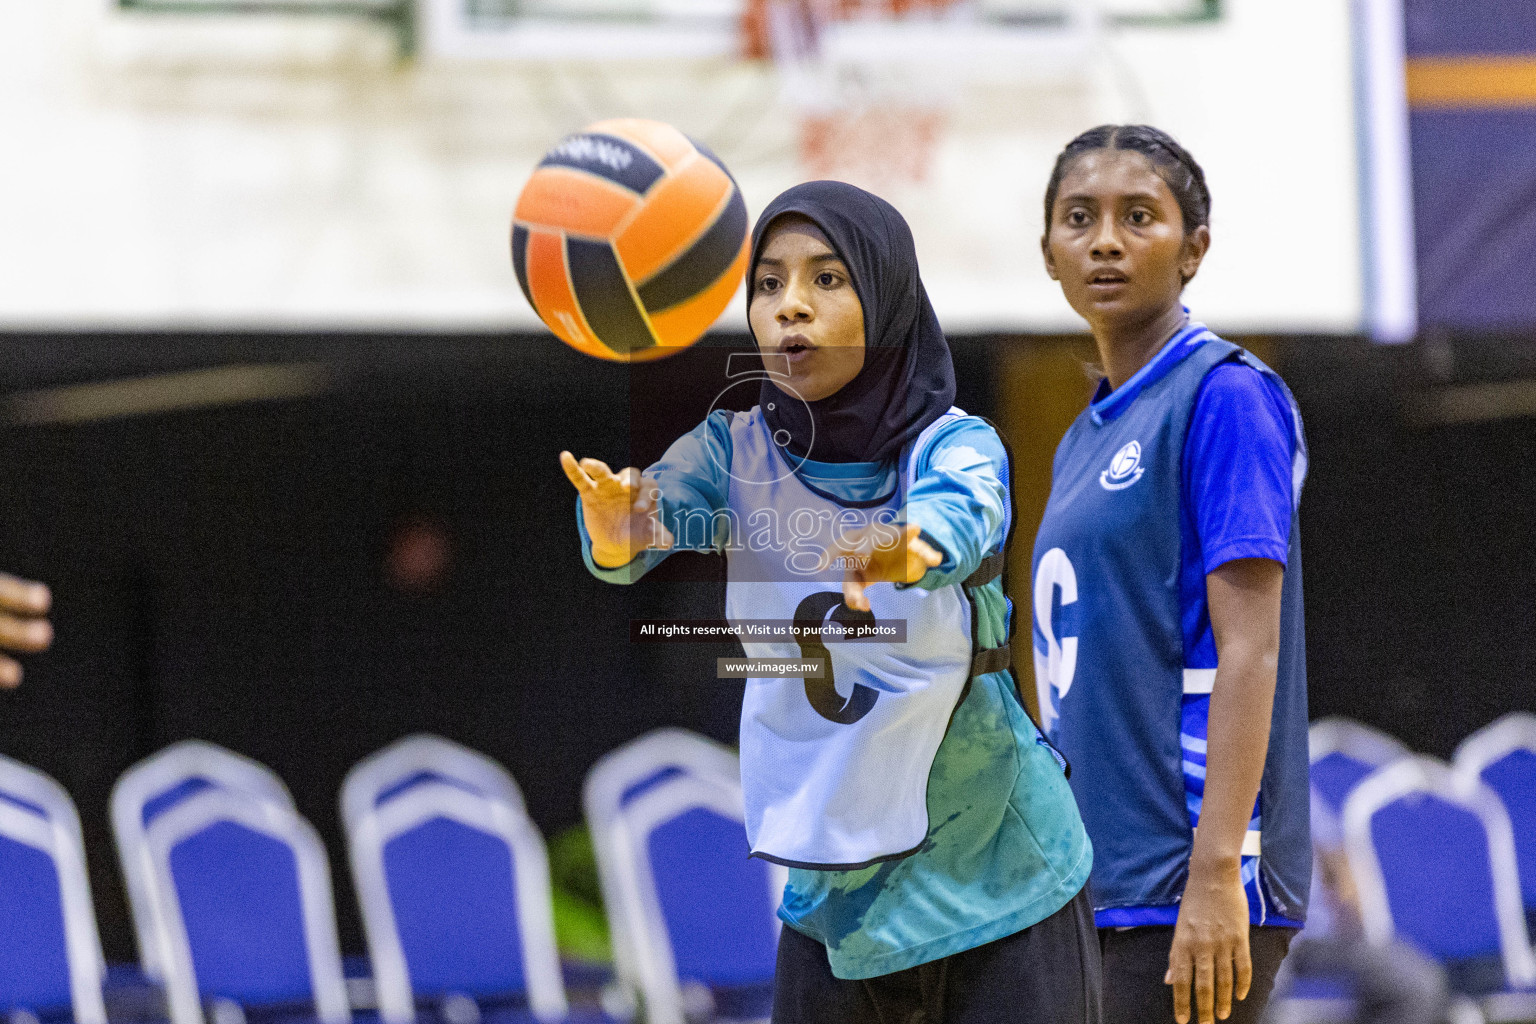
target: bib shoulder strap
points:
(991, 568)
(993, 659)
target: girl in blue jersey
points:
(1167, 598)
(937, 860)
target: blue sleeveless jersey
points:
(1120, 694)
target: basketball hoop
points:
(868, 107)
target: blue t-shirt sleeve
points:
(959, 499)
(1239, 456)
(693, 475)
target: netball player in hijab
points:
(937, 860)
(1169, 649)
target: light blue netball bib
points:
(836, 769)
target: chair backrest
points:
(1343, 752)
(615, 780)
(244, 891)
(50, 953)
(155, 785)
(1434, 862)
(455, 894)
(1503, 757)
(416, 759)
(697, 908)
(36, 791)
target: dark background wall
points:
(224, 573)
(1417, 527)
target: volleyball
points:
(629, 240)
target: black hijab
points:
(908, 379)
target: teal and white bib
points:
(835, 770)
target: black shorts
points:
(1046, 974)
(1136, 961)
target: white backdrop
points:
(245, 172)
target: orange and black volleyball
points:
(629, 240)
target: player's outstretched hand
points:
(24, 626)
(876, 554)
(620, 510)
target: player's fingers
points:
(598, 470)
(10, 673)
(1223, 986)
(25, 634)
(1205, 986)
(1244, 960)
(629, 479)
(574, 473)
(853, 592)
(23, 596)
(927, 553)
(914, 544)
(1179, 976)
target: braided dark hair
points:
(1172, 162)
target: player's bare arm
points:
(24, 625)
(620, 510)
(1210, 942)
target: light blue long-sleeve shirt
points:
(1005, 846)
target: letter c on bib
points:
(822, 693)
(1055, 667)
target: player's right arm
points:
(24, 627)
(629, 520)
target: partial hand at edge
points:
(882, 554)
(621, 510)
(24, 627)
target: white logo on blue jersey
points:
(1124, 469)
